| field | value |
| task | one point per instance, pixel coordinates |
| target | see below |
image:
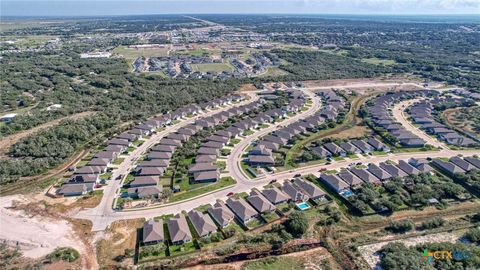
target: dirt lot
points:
(37, 228)
(113, 243)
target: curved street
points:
(103, 215)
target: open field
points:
(377, 61)
(132, 53)
(213, 67)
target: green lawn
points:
(269, 217)
(105, 176)
(245, 167)
(183, 195)
(234, 141)
(248, 132)
(132, 53)
(176, 250)
(213, 67)
(377, 61)
(254, 223)
(117, 161)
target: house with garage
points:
(335, 149)
(259, 202)
(350, 178)
(202, 223)
(141, 181)
(409, 169)
(152, 232)
(178, 230)
(145, 192)
(366, 176)
(378, 172)
(221, 214)
(334, 182)
(275, 195)
(393, 170)
(350, 148)
(75, 189)
(159, 155)
(242, 210)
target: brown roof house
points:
(202, 223)
(152, 232)
(178, 230)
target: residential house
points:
(152, 232)
(335, 149)
(447, 167)
(75, 189)
(462, 164)
(409, 169)
(141, 181)
(206, 176)
(393, 170)
(178, 230)
(334, 182)
(350, 178)
(145, 192)
(365, 176)
(311, 190)
(202, 223)
(275, 195)
(259, 202)
(378, 172)
(221, 213)
(242, 210)
(350, 148)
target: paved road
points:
(234, 159)
(401, 117)
(99, 215)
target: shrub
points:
(433, 223)
(401, 226)
(473, 235)
(64, 253)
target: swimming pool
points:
(303, 206)
(346, 193)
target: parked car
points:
(273, 181)
(322, 169)
(119, 177)
(297, 175)
(230, 194)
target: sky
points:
(132, 7)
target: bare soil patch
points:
(37, 229)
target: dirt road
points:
(8, 141)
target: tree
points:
(297, 223)
(473, 235)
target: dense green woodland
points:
(32, 81)
(396, 256)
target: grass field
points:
(214, 67)
(130, 53)
(223, 182)
(377, 61)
